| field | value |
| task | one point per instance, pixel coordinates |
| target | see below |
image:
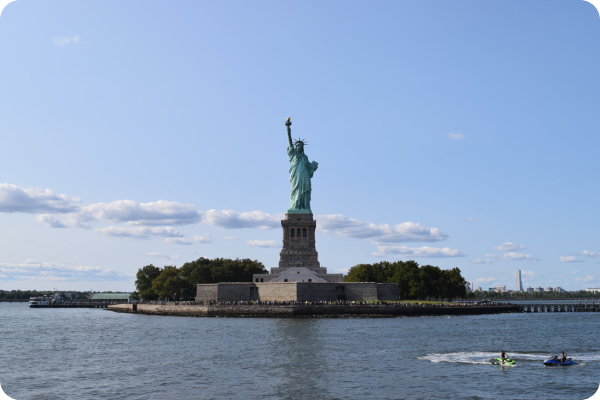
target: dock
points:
(540, 308)
(79, 304)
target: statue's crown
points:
(303, 141)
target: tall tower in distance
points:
(519, 283)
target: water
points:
(97, 354)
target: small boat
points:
(507, 361)
(556, 361)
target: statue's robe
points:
(301, 170)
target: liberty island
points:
(299, 282)
(299, 275)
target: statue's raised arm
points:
(288, 125)
(301, 172)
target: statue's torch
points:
(288, 122)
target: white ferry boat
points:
(39, 302)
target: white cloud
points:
(177, 240)
(16, 199)
(161, 255)
(589, 279)
(229, 238)
(471, 219)
(65, 40)
(166, 213)
(34, 270)
(509, 246)
(517, 257)
(512, 256)
(138, 232)
(569, 259)
(263, 243)
(49, 221)
(455, 136)
(424, 252)
(230, 219)
(405, 232)
(206, 238)
(160, 212)
(529, 274)
(586, 253)
(330, 224)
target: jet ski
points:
(556, 361)
(507, 361)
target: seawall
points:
(307, 311)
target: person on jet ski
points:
(504, 356)
(564, 357)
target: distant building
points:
(501, 289)
(538, 289)
(492, 289)
(530, 289)
(110, 297)
(519, 286)
(549, 289)
(593, 290)
(479, 288)
(559, 289)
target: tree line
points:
(415, 282)
(170, 282)
(484, 294)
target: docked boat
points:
(38, 302)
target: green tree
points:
(406, 275)
(430, 281)
(143, 283)
(170, 283)
(204, 270)
(453, 284)
(369, 273)
(414, 282)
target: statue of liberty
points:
(301, 171)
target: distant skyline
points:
(153, 132)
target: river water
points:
(98, 354)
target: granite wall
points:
(387, 291)
(206, 292)
(297, 291)
(280, 291)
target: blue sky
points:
(456, 133)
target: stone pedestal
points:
(298, 259)
(298, 243)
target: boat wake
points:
(474, 357)
(479, 357)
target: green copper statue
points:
(301, 171)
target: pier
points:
(533, 308)
(79, 304)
